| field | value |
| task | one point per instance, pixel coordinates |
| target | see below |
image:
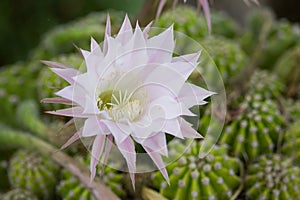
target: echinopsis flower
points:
(133, 90)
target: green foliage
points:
(273, 177)
(215, 176)
(33, 172)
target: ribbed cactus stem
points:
(14, 138)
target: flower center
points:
(119, 105)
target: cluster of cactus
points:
(272, 177)
(62, 39)
(256, 130)
(70, 188)
(30, 171)
(198, 176)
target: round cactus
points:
(227, 55)
(33, 172)
(187, 20)
(288, 69)
(291, 144)
(18, 194)
(62, 38)
(271, 178)
(266, 84)
(192, 177)
(256, 130)
(49, 81)
(70, 187)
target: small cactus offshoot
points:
(33, 172)
(192, 177)
(272, 178)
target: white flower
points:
(133, 90)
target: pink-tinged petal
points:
(146, 30)
(69, 112)
(66, 74)
(161, 47)
(66, 93)
(172, 127)
(93, 126)
(118, 130)
(191, 95)
(183, 68)
(125, 32)
(160, 7)
(55, 64)
(85, 53)
(57, 100)
(158, 162)
(156, 142)
(73, 139)
(204, 4)
(94, 44)
(188, 131)
(127, 149)
(97, 150)
(107, 148)
(107, 34)
(191, 58)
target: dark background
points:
(23, 22)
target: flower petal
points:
(127, 149)
(66, 74)
(73, 139)
(93, 126)
(97, 150)
(188, 131)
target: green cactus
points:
(70, 187)
(256, 130)
(291, 109)
(17, 83)
(191, 177)
(33, 172)
(18, 194)
(271, 178)
(62, 38)
(282, 37)
(287, 68)
(186, 20)
(258, 23)
(268, 85)
(49, 82)
(227, 55)
(291, 145)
